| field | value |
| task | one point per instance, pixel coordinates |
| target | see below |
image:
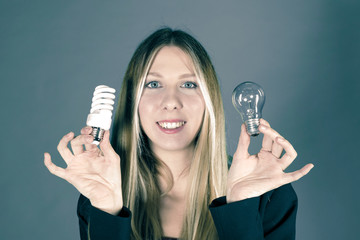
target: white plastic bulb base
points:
(99, 123)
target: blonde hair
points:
(140, 168)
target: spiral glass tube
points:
(101, 112)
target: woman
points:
(169, 134)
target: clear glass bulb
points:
(249, 98)
(100, 114)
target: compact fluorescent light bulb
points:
(100, 114)
(249, 98)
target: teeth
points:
(171, 125)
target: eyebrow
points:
(186, 75)
(155, 74)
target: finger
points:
(63, 149)
(87, 131)
(277, 149)
(106, 147)
(264, 122)
(290, 154)
(267, 142)
(294, 176)
(243, 145)
(269, 132)
(57, 171)
(77, 144)
(91, 146)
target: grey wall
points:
(304, 53)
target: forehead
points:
(171, 60)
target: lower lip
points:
(171, 131)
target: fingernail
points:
(280, 139)
(262, 127)
(69, 134)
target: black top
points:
(271, 216)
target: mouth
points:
(171, 124)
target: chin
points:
(173, 146)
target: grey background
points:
(305, 54)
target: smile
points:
(171, 125)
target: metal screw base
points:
(98, 134)
(252, 126)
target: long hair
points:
(140, 168)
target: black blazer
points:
(271, 217)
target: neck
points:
(178, 163)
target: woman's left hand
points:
(253, 175)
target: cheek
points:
(197, 106)
(143, 113)
(146, 107)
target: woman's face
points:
(171, 107)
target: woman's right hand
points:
(94, 172)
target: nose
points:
(171, 101)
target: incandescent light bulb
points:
(249, 98)
(100, 114)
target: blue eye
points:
(189, 85)
(153, 84)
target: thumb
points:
(243, 145)
(106, 147)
